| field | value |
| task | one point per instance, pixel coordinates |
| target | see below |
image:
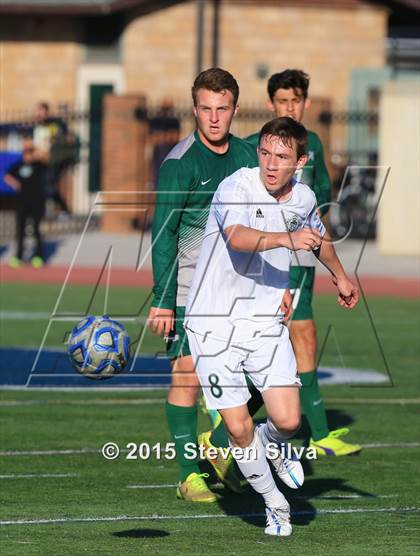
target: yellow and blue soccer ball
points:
(99, 347)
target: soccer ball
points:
(98, 347)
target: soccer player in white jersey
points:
(233, 318)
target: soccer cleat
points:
(288, 470)
(194, 489)
(278, 522)
(222, 465)
(15, 262)
(37, 262)
(331, 445)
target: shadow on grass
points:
(335, 418)
(141, 533)
(249, 506)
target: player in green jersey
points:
(288, 96)
(188, 178)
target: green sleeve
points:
(322, 182)
(171, 198)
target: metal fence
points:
(349, 139)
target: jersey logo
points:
(311, 155)
(259, 213)
(293, 223)
(203, 182)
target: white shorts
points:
(268, 360)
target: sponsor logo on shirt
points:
(259, 213)
(293, 223)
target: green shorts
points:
(177, 344)
(302, 278)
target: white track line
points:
(38, 475)
(50, 452)
(392, 445)
(24, 315)
(152, 486)
(202, 516)
(11, 453)
(147, 401)
(134, 401)
(331, 497)
(379, 401)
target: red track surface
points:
(371, 285)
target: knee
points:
(240, 431)
(288, 426)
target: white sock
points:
(257, 472)
(269, 434)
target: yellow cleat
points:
(37, 262)
(223, 464)
(331, 445)
(15, 262)
(194, 489)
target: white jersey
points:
(235, 294)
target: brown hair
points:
(288, 79)
(216, 80)
(287, 129)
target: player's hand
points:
(306, 239)
(160, 321)
(348, 293)
(286, 306)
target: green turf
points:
(379, 479)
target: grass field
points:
(60, 496)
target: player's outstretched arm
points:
(348, 293)
(243, 238)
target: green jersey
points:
(314, 173)
(188, 178)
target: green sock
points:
(182, 423)
(313, 405)
(219, 436)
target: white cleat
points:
(290, 471)
(278, 522)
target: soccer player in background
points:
(233, 315)
(27, 177)
(288, 96)
(188, 178)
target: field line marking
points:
(378, 401)
(147, 401)
(321, 497)
(153, 486)
(201, 516)
(134, 401)
(49, 452)
(70, 452)
(391, 445)
(40, 315)
(37, 475)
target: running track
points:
(371, 285)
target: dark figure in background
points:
(164, 134)
(50, 137)
(27, 177)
